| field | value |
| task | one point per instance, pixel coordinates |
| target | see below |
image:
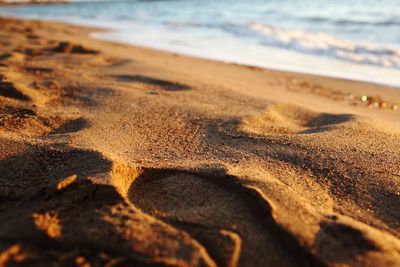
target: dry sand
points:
(113, 155)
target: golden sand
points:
(114, 155)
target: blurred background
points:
(350, 39)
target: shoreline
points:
(113, 154)
(31, 2)
(268, 66)
(103, 34)
(358, 99)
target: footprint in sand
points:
(8, 89)
(34, 170)
(233, 222)
(163, 84)
(39, 70)
(291, 119)
(71, 126)
(67, 47)
(13, 56)
(336, 236)
(59, 206)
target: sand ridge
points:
(118, 156)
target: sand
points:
(114, 155)
(31, 2)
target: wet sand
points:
(115, 155)
(31, 2)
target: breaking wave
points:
(324, 44)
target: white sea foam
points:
(325, 44)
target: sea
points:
(351, 39)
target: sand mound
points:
(66, 47)
(40, 169)
(291, 119)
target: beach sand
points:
(31, 2)
(114, 155)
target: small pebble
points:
(152, 92)
(383, 104)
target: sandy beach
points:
(30, 2)
(115, 155)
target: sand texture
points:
(31, 2)
(112, 155)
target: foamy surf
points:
(327, 45)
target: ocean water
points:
(355, 39)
